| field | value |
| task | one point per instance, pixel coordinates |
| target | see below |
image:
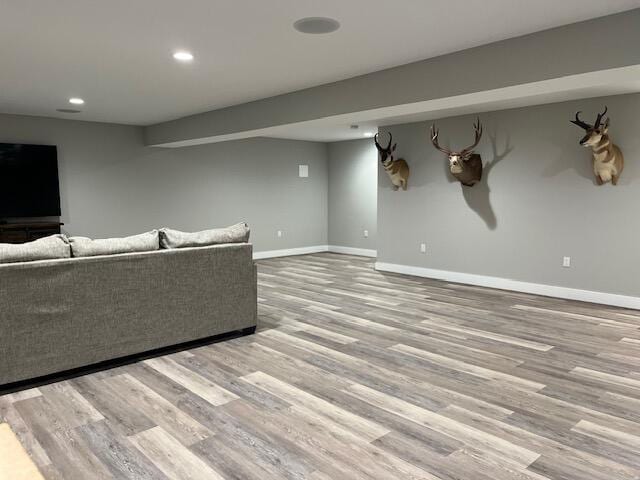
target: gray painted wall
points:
(353, 192)
(112, 185)
(536, 204)
(593, 45)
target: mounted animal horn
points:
(608, 160)
(398, 170)
(580, 123)
(477, 128)
(599, 119)
(465, 165)
(380, 149)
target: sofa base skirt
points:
(122, 361)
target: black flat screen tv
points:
(29, 181)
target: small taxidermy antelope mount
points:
(398, 170)
(608, 160)
(465, 165)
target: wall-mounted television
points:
(29, 181)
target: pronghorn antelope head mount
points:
(398, 170)
(608, 161)
(465, 165)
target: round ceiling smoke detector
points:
(316, 25)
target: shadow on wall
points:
(568, 159)
(573, 156)
(478, 197)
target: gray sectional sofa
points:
(57, 315)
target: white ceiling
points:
(116, 54)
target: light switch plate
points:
(303, 171)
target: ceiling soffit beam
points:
(618, 81)
(594, 45)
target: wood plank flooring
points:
(356, 374)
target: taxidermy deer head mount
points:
(398, 170)
(465, 165)
(608, 160)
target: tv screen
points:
(29, 181)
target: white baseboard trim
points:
(287, 252)
(363, 252)
(513, 285)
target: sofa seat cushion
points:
(86, 247)
(48, 248)
(238, 233)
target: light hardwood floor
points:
(356, 374)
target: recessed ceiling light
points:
(76, 101)
(183, 56)
(316, 25)
(368, 134)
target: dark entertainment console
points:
(27, 232)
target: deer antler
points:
(477, 126)
(434, 140)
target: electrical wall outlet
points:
(279, 233)
(423, 248)
(366, 233)
(303, 171)
(566, 262)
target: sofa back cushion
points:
(238, 233)
(48, 248)
(86, 247)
